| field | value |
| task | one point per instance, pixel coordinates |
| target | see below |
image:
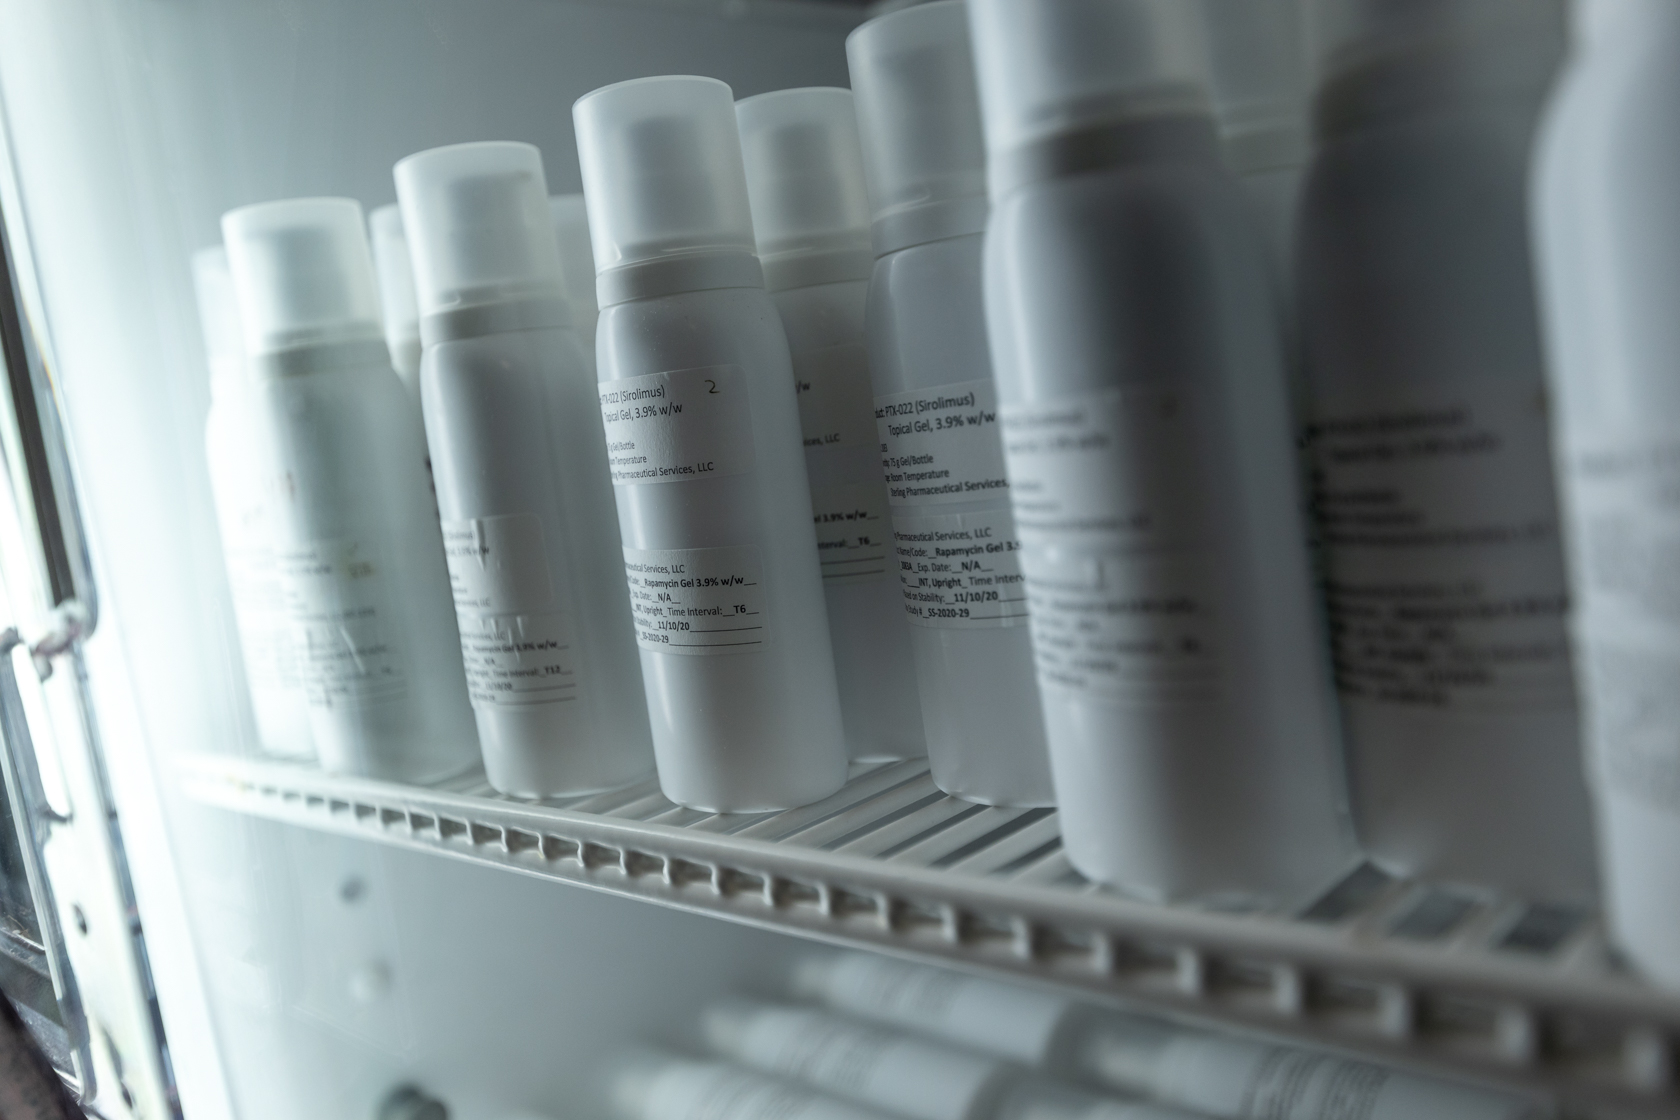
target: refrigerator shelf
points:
(1447, 979)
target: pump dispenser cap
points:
(1258, 70)
(804, 175)
(396, 275)
(218, 315)
(662, 173)
(577, 259)
(1049, 68)
(483, 238)
(303, 273)
(919, 119)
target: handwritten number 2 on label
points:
(712, 384)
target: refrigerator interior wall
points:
(302, 975)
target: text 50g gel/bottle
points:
(697, 394)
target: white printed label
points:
(334, 591)
(498, 565)
(1141, 628)
(265, 631)
(1114, 469)
(835, 409)
(676, 427)
(853, 532)
(961, 571)
(517, 650)
(1445, 580)
(1110, 501)
(941, 445)
(1626, 498)
(1238, 1078)
(698, 601)
(519, 660)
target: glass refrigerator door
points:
(192, 926)
(72, 951)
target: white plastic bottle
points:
(1187, 701)
(577, 265)
(655, 1086)
(1238, 1079)
(1048, 1100)
(1432, 480)
(519, 459)
(811, 216)
(400, 310)
(1207, 1074)
(696, 390)
(244, 518)
(1034, 1028)
(882, 1069)
(357, 545)
(935, 406)
(1608, 240)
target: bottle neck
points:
(322, 357)
(930, 221)
(806, 270)
(1269, 146)
(675, 275)
(529, 314)
(1180, 137)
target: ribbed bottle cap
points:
(804, 171)
(577, 259)
(918, 112)
(662, 173)
(395, 270)
(1050, 67)
(1350, 35)
(218, 315)
(1258, 70)
(482, 233)
(303, 273)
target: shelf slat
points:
(1492, 988)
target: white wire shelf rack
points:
(1443, 978)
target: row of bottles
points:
(875, 1038)
(958, 413)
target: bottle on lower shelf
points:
(883, 1069)
(658, 1086)
(1048, 1100)
(1224, 1077)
